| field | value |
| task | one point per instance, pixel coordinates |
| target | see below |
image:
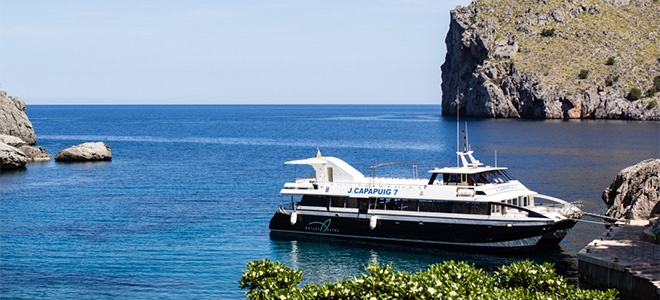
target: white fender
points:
(373, 221)
(294, 218)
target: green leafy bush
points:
(634, 94)
(610, 80)
(610, 61)
(449, 280)
(651, 92)
(651, 105)
(270, 280)
(656, 82)
(548, 32)
(584, 73)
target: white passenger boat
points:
(468, 205)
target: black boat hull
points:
(443, 232)
(557, 232)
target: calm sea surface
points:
(186, 200)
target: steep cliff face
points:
(13, 120)
(553, 59)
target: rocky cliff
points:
(635, 192)
(13, 120)
(554, 59)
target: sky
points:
(224, 52)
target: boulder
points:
(635, 192)
(85, 152)
(32, 153)
(12, 140)
(11, 158)
(13, 120)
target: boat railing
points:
(552, 204)
(287, 206)
(372, 169)
(305, 179)
(499, 208)
(402, 182)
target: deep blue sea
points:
(187, 198)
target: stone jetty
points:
(621, 259)
(627, 256)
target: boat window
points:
(393, 204)
(506, 174)
(496, 209)
(495, 176)
(363, 206)
(351, 203)
(337, 201)
(378, 203)
(330, 175)
(432, 179)
(451, 179)
(311, 200)
(475, 208)
(409, 205)
(427, 206)
(478, 208)
(444, 206)
(524, 201)
(461, 208)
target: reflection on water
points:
(329, 259)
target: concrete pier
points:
(620, 259)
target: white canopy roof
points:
(331, 169)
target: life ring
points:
(294, 218)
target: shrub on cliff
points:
(610, 61)
(583, 74)
(548, 32)
(634, 94)
(450, 280)
(610, 80)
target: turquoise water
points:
(186, 201)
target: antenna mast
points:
(458, 128)
(467, 139)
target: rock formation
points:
(13, 120)
(635, 192)
(31, 153)
(85, 152)
(554, 59)
(11, 158)
(35, 153)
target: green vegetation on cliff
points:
(558, 39)
(450, 280)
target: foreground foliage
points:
(450, 280)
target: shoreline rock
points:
(635, 192)
(11, 158)
(98, 151)
(14, 121)
(32, 153)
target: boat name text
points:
(370, 191)
(507, 187)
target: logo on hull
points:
(323, 226)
